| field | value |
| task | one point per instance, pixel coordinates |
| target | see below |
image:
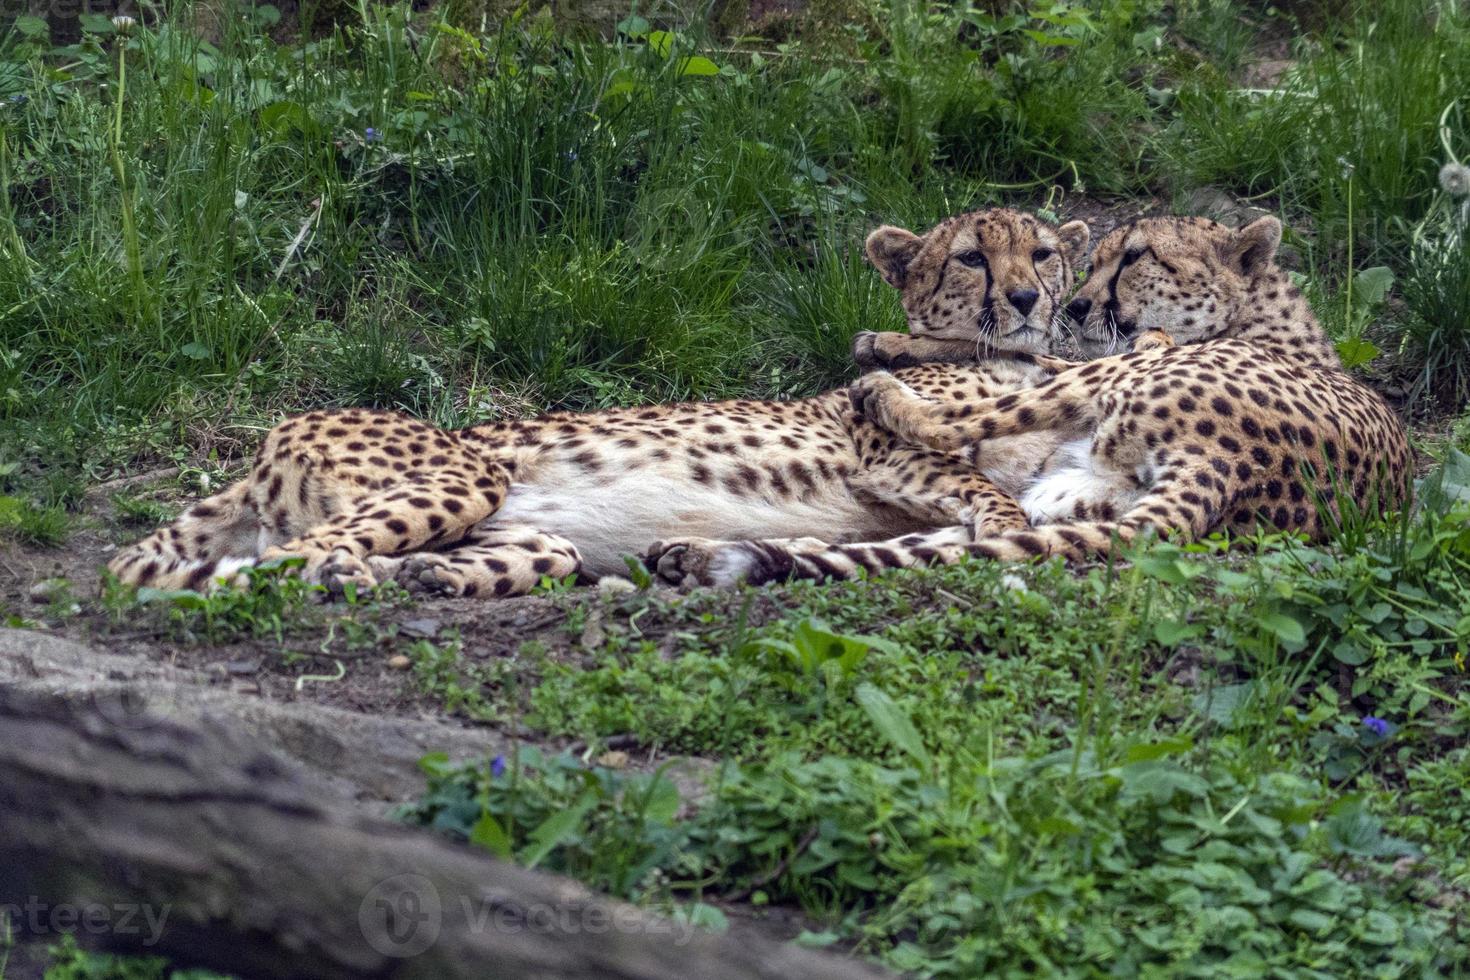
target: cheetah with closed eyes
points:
(1248, 424)
(368, 495)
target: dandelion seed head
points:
(1455, 179)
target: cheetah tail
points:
(213, 537)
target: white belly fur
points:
(1075, 478)
(611, 514)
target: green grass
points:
(1188, 765)
(406, 216)
(1164, 767)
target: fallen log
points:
(190, 841)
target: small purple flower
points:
(371, 135)
(1377, 726)
(571, 156)
(497, 767)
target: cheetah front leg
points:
(1065, 404)
(430, 508)
(889, 351)
(491, 560)
(938, 488)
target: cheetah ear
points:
(891, 250)
(1074, 235)
(1251, 249)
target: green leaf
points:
(892, 722)
(1160, 782)
(1148, 751)
(704, 916)
(32, 27)
(284, 117)
(661, 42)
(1223, 704)
(1356, 352)
(621, 88)
(1371, 286)
(1350, 652)
(1052, 40)
(640, 576)
(195, 351)
(489, 834)
(1353, 829)
(634, 27)
(556, 828)
(662, 800)
(697, 65)
(1309, 921)
(1283, 627)
(1172, 632)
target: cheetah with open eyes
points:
(367, 495)
(1250, 424)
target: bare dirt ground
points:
(346, 711)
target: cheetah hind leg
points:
(505, 560)
(499, 561)
(437, 507)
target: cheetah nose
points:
(1077, 309)
(1023, 300)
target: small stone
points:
(47, 590)
(613, 760)
(399, 662)
(242, 668)
(615, 585)
(423, 628)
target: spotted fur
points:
(366, 495)
(1251, 424)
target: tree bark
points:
(190, 841)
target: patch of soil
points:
(1102, 216)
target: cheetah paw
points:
(430, 574)
(341, 572)
(696, 561)
(880, 398)
(872, 350)
(1152, 340)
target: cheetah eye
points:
(974, 259)
(1042, 254)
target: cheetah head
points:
(994, 277)
(1185, 276)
